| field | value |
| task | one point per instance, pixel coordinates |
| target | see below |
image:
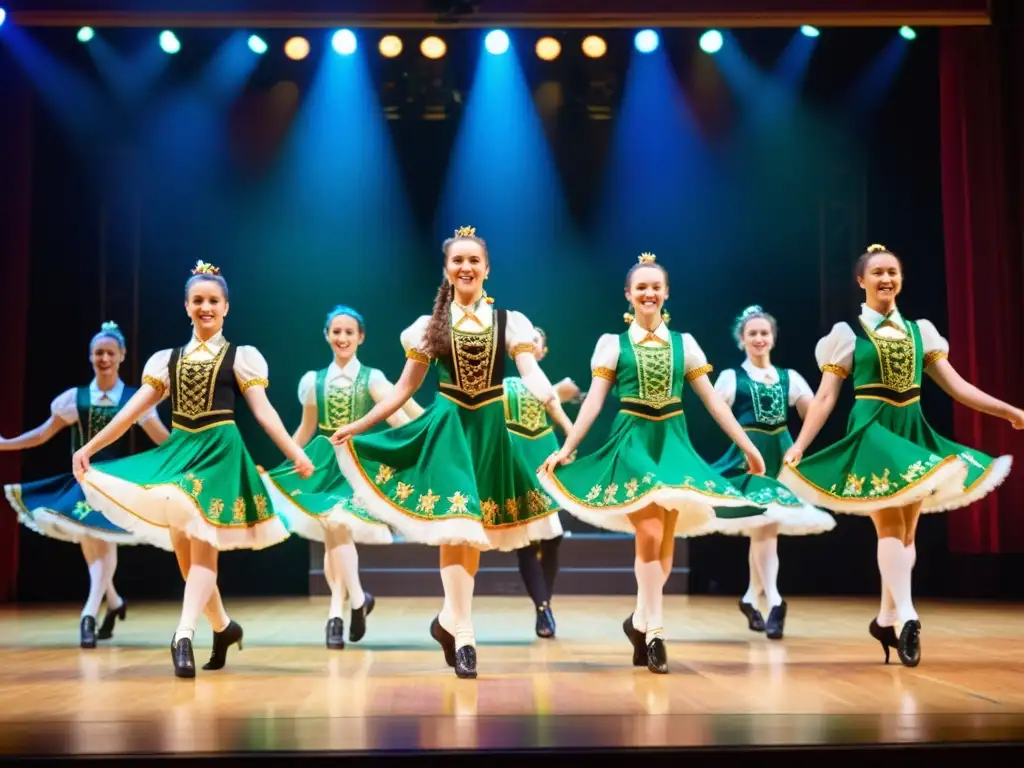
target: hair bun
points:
(202, 268)
(877, 248)
(110, 325)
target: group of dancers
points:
(481, 468)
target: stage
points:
(824, 684)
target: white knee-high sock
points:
(640, 612)
(110, 568)
(650, 583)
(348, 558)
(895, 569)
(755, 588)
(766, 553)
(198, 587)
(456, 615)
(887, 607)
(97, 587)
(910, 553)
(335, 576)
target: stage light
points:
(433, 47)
(594, 46)
(169, 42)
(907, 33)
(711, 41)
(809, 31)
(548, 48)
(3, 16)
(390, 46)
(297, 48)
(85, 34)
(257, 44)
(646, 41)
(496, 42)
(344, 42)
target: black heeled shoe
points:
(884, 635)
(358, 626)
(639, 641)
(657, 656)
(776, 622)
(908, 647)
(336, 634)
(465, 662)
(87, 632)
(755, 621)
(545, 622)
(106, 630)
(183, 658)
(221, 642)
(445, 639)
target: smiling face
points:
(647, 292)
(881, 279)
(465, 267)
(344, 336)
(106, 356)
(758, 337)
(207, 306)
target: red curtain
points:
(15, 219)
(982, 179)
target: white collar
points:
(481, 311)
(214, 343)
(763, 375)
(637, 333)
(113, 394)
(350, 371)
(875, 319)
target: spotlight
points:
(646, 41)
(297, 48)
(594, 46)
(390, 46)
(907, 33)
(496, 42)
(3, 16)
(257, 45)
(169, 42)
(344, 42)
(85, 34)
(809, 31)
(548, 48)
(711, 41)
(433, 47)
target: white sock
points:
(766, 553)
(910, 552)
(215, 613)
(335, 576)
(97, 586)
(349, 561)
(456, 615)
(887, 607)
(198, 587)
(895, 569)
(114, 600)
(650, 583)
(754, 589)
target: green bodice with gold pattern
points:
(524, 413)
(649, 379)
(337, 406)
(203, 392)
(761, 406)
(888, 369)
(472, 373)
(93, 418)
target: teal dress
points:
(56, 507)
(325, 497)
(201, 481)
(762, 410)
(648, 457)
(890, 456)
(455, 475)
(528, 423)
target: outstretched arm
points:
(817, 414)
(589, 411)
(267, 416)
(34, 437)
(307, 427)
(723, 416)
(145, 398)
(953, 384)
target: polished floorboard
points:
(824, 683)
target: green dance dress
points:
(325, 497)
(761, 406)
(55, 506)
(648, 458)
(528, 423)
(890, 456)
(455, 475)
(201, 481)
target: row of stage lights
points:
(432, 47)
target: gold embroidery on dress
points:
(531, 412)
(631, 488)
(339, 402)
(261, 505)
(654, 374)
(216, 507)
(473, 356)
(427, 502)
(512, 509)
(238, 510)
(403, 491)
(195, 384)
(458, 502)
(896, 360)
(98, 419)
(384, 473)
(490, 511)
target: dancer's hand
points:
(755, 462)
(303, 466)
(554, 460)
(793, 456)
(1016, 418)
(80, 463)
(342, 435)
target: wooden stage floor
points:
(824, 683)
